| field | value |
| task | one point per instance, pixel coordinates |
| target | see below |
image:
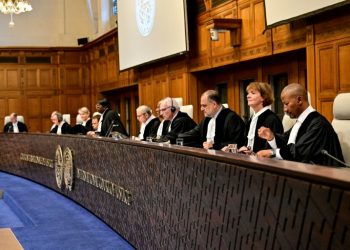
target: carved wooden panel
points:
(162, 88)
(46, 79)
(3, 111)
(12, 78)
(34, 107)
(73, 77)
(32, 80)
(178, 87)
(326, 108)
(13, 105)
(326, 70)
(112, 69)
(2, 78)
(344, 63)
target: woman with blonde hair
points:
(86, 126)
(259, 97)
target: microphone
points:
(249, 148)
(109, 129)
(10, 127)
(324, 152)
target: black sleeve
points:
(192, 138)
(180, 125)
(6, 128)
(25, 128)
(234, 127)
(154, 128)
(54, 130)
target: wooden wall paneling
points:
(13, 78)
(146, 94)
(343, 62)
(178, 87)
(112, 69)
(3, 111)
(32, 78)
(3, 83)
(161, 87)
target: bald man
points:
(307, 138)
(14, 125)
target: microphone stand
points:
(109, 129)
(324, 152)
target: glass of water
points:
(232, 148)
(180, 141)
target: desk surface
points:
(158, 195)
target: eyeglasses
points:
(138, 116)
(162, 110)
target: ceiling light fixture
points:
(14, 7)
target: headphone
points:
(59, 117)
(173, 109)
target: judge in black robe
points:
(151, 129)
(314, 134)
(180, 124)
(65, 129)
(82, 129)
(21, 127)
(269, 120)
(228, 130)
(109, 115)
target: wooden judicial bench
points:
(173, 197)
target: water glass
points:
(232, 148)
(180, 141)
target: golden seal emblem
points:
(68, 168)
(58, 165)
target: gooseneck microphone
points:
(109, 129)
(324, 152)
(249, 148)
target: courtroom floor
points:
(43, 219)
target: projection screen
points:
(278, 12)
(149, 30)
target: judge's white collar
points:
(305, 114)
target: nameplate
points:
(37, 160)
(106, 186)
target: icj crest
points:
(145, 10)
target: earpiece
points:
(172, 106)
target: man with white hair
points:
(14, 125)
(150, 123)
(179, 122)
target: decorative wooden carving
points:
(234, 25)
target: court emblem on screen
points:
(145, 10)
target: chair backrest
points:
(179, 101)
(97, 113)
(341, 123)
(288, 122)
(225, 105)
(79, 120)
(20, 118)
(187, 109)
(66, 118)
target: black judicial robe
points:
(269, 120)
(108, 116)
(314, 134)
(21, 127)
(229, 129)
(79, 128)
(151, 128)
(65, 129)
(165, 126)
(181, 124)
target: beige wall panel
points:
(259, 20)
(46, 106)
(45, 78)
(32, 80)
(344, 67)
(13, 105)
(72, 77)
(34, 107)
(326, 70)
(34, 125)
(12, 78)
(3, 111)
